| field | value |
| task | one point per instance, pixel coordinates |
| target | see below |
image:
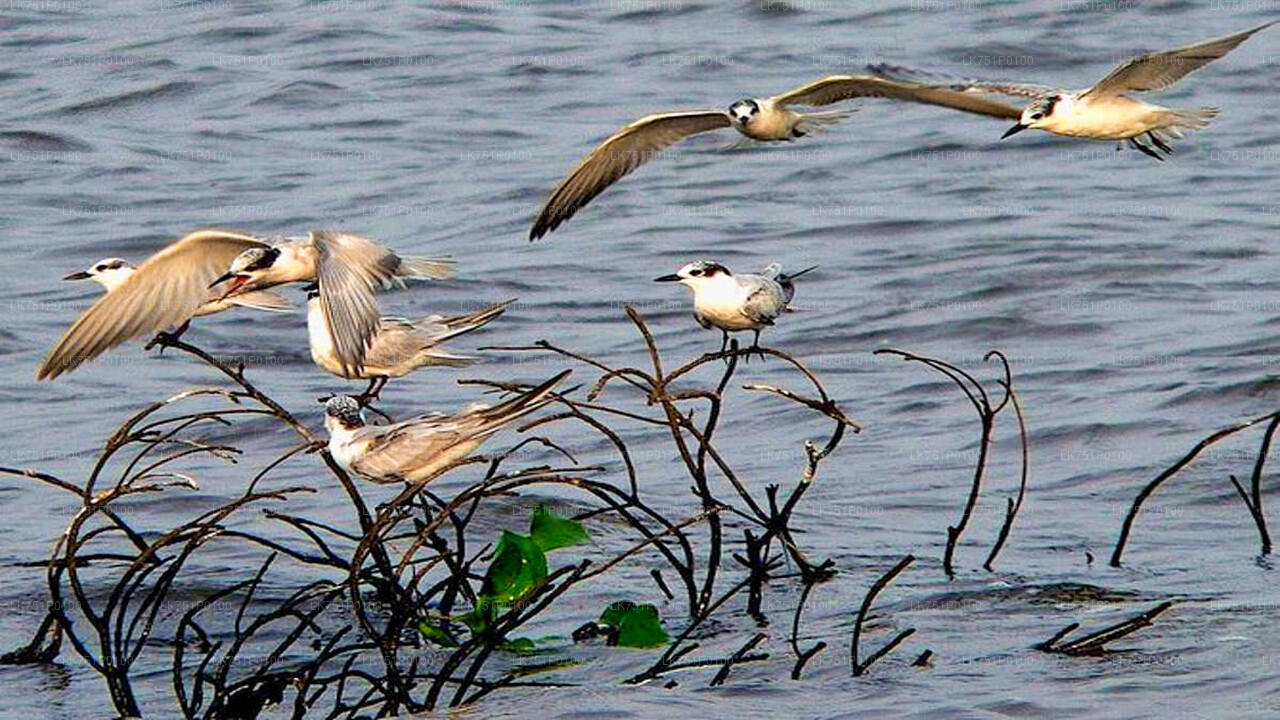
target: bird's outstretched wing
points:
(621, 153)
(349, 268)
(962, 85)
(845, 87)
(166, 290)
(1157, 71)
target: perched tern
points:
(347, 268)
(732, 303)
(1106, 111)
(399, 347)
(418, 449)
(764, 119)
(164, 292)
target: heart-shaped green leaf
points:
(518, 566)
(637, 626)
(551, 532)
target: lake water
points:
(1132, 298)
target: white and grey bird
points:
(732, 303)
(400, 345)
(418, 449)
(159, 296)
(347, 268)
(1106, 111)
(111, 273)
(764, 119)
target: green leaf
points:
(481, 616)
(551, 532)
(612, 615)
(518, 566)
(637, 626)
(437, 635)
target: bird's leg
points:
(724, 344)
(1145, 150)
(1159, 143)
(168, 339)
(372, 392)
(755, 345)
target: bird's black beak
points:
(1014, 130)
(221, 279)
(667, 278)
(82, 275)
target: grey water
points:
(1132, 297)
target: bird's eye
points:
(695, 272)
(100, 268)
(1036, 116)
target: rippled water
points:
(1133, 298)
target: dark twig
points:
(861, 667)
(802, 656)
(1094, 643)
(987, 413)
(1014, 505)
(1126, 527)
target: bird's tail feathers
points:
(445, 358)
(784, 279)
(1192, 119)
(794, 275)
(423, 267)
(460, 324)
(523, 404)
(438, 329)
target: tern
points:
(732, 303)
(399, 346)
(110, 273)
(1106, 111)
(164, 292)
(763, 119)
(347, 268)
(418, 449)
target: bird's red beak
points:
(236, 283)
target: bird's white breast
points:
(771, 123)
(322, 350)
(1110, 117)
(720, 301)
(343, 447)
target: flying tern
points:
(163, 293)
(763, 119)
(347, 268)
(1106, 111)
